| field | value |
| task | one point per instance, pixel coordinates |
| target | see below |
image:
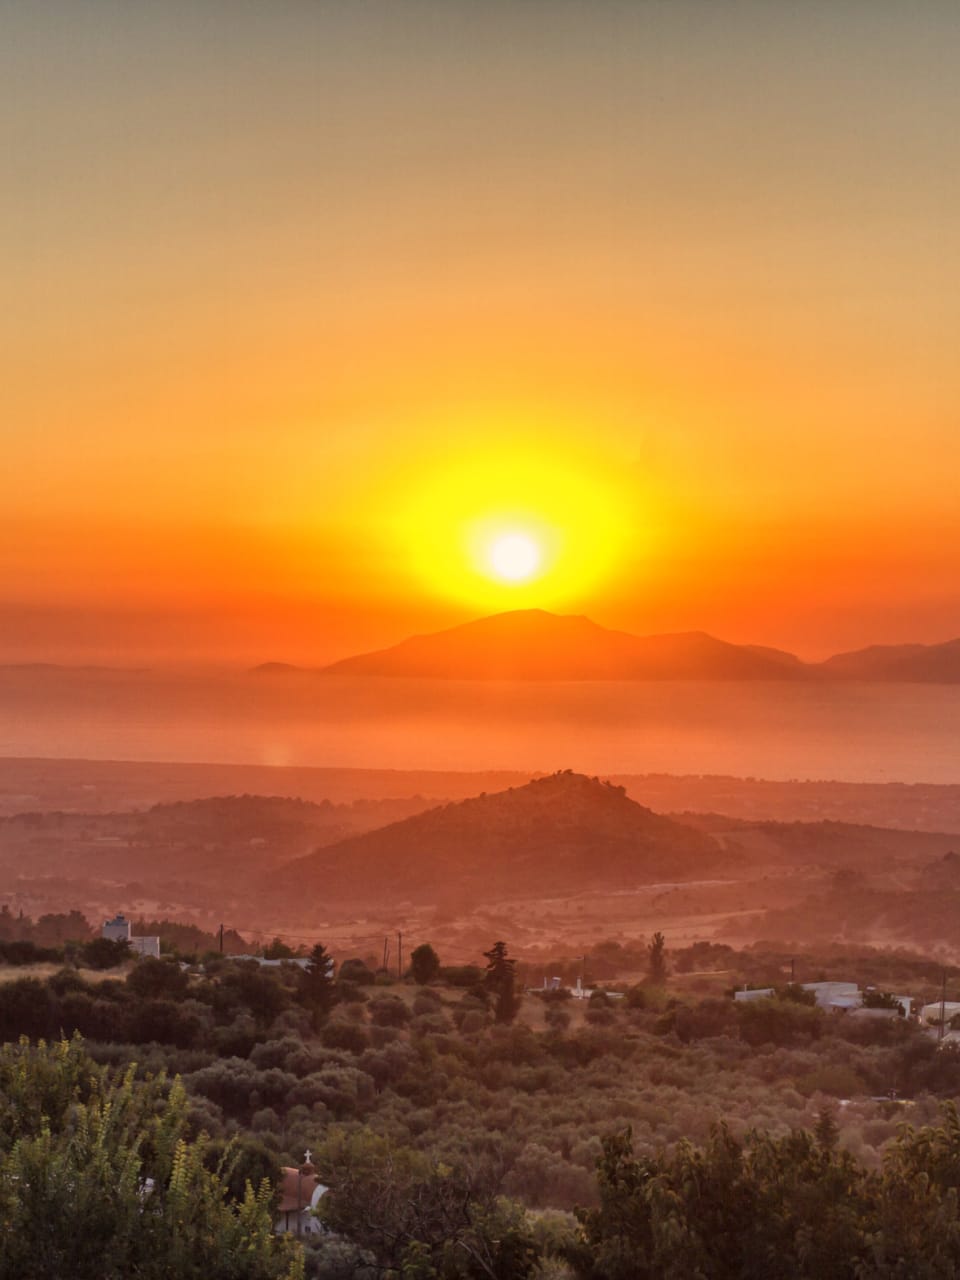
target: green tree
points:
(357, 971)
(788, 1208)
(317, 987)
(657, 959)
(424, 964)
(501, 983)
(99, 1182)
(419, 1217)
(826, 1130)
(278, 950)
(785, 1208)
(154, 979)
(774, 1021)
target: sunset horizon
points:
(277, 386)
(480, 640)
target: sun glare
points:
(514, 557)
(512, 525)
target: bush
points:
(351, 993)
(357, 971)
(333, 1258)
(473, 1021)
(26, 1009)
(424, 964)
(553, 995)
(469, 1005)
(29, 953)
(782, 1022)
(461, 975)
(600, 1016)
(349, 1036)
(104, 953)
(708, 1018)
(389, 1011)
(557, 1017)
(427, 1001)
(153, 979)
(434, 1024)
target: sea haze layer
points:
(773, 729)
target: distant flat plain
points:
(771, 729)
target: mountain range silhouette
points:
(532, 644)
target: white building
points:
(300, 1193)
(754, 993)
(145, 946)
(836, 997)
(932, 1013)
(118, 930)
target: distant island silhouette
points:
(533, 644)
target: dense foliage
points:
(456, 1143)
(769, 1208)
(98, 1181)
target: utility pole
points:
(399, 954)
(793, 970)
(386, 951)
(221, 939)
(943, 1005)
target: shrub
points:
(338, 1034)
(389, 1011)
(357, 971)
(424, 964)
(153, 979)
(427, 1001)
(461, 975)
(557, 1017)
(104, 953)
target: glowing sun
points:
(509, 524)
(514, 557)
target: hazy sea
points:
(854, 732)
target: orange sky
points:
(290, 285)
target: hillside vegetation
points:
(555, 834)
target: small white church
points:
(118, 930)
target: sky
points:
(309, 305)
